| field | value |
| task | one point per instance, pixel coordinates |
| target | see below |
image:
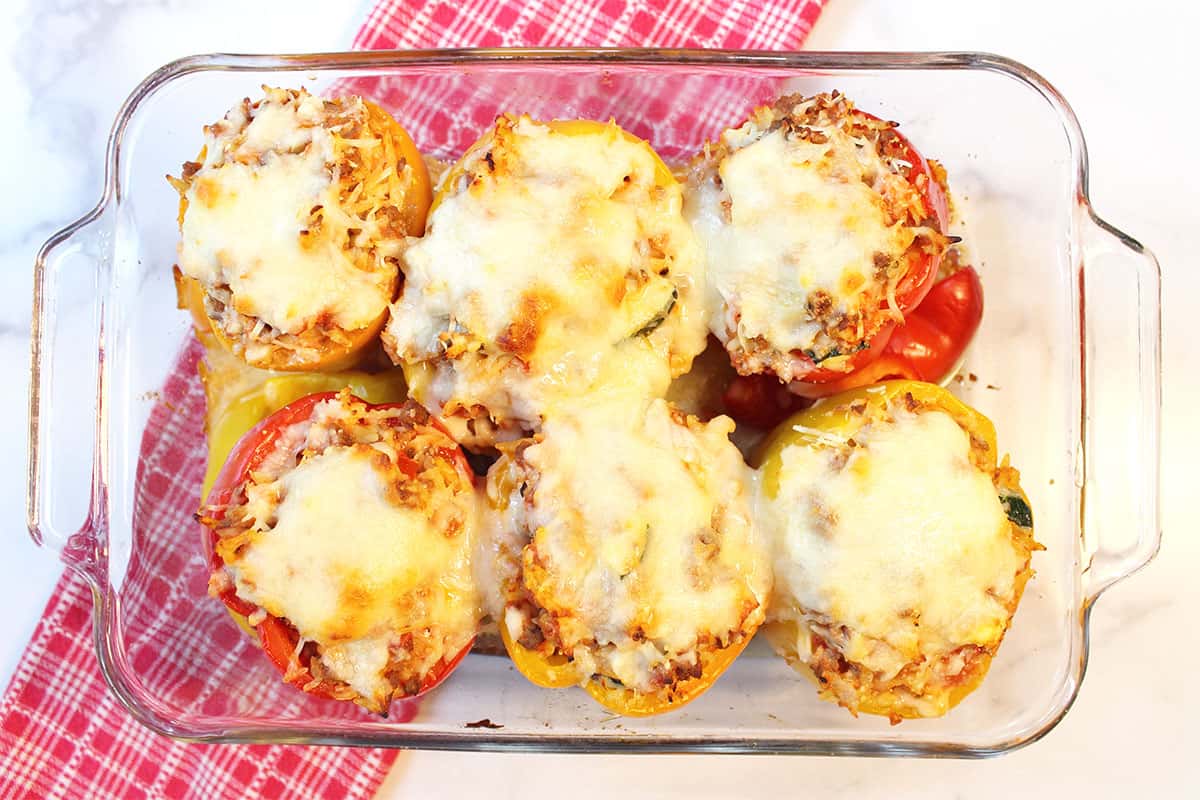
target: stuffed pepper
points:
(628, 561)
(823, 227)
(901, 547)
(292, 221)
(342, 532)
(557, 261)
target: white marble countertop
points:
(1127, 69)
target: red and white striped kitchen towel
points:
(62, 734)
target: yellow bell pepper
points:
(630, 703)
(402, 153)
(838, 418)
(556, 671)
(548, 671)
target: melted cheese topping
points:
(641, 543)
(556, 259)
(368, 562)
(906, 544)
(792, 230)
(495, 539)
(249, 222)
(798, 236)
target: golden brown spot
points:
(851, 282)
(824, 519)
(354, 595)
(522, 334)
(616, 291)
(208, 191)
(407, 605)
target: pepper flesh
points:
(630, 703)
(547, 671)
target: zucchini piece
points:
(1017, 510)
(660, 317)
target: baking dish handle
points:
(64, 505)
(1120, 314)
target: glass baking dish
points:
(1066, 364)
